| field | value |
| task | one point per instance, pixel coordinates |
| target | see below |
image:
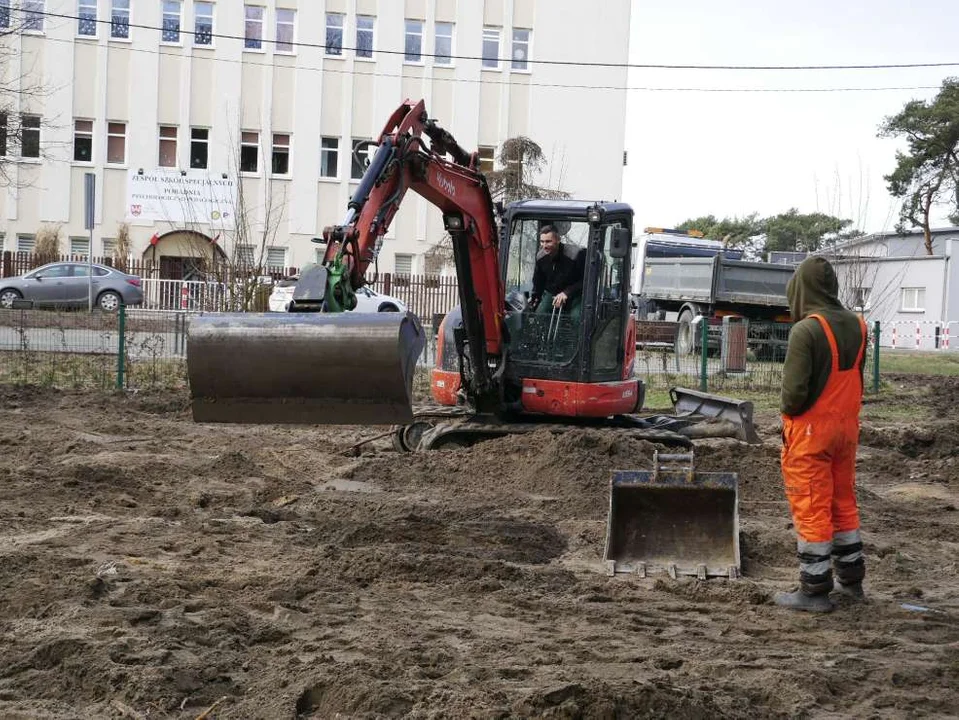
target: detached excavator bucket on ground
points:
(304, 367)
(673, 520)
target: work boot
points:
(800, 600)
(851, 591)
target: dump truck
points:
(687, 279)
(502, 366)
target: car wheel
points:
(109, 301)
(8, 296)
(388, 308)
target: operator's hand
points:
(559, 300)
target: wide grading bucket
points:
(673, 520)
(308, 368)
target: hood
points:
(813, 287)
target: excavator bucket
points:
(304, 367)
(714, 415)
(673, 520)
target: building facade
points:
(891, 278)
(239, 128)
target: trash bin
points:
(734, 344)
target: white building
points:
(271, 96)
(893, 279)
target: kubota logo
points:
(446, 184)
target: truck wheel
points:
(685, 334)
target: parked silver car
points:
(67, 284)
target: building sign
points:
(170, 196)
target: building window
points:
(329, 154)
(360, 158)
(83, 140)
(414, 41)
(33, 12)
(87, 18)
(487, 156)
(285, 25)
(167, 146)
(4, 13)
(116, 143)
(281, 154)
(171, 21)
(334, 34)
(276, 257)
(253, 31)
(364, 36)
(30, 136)
(319, 254)
(120, 19)
(443, 46)
(491, 48)
(109, 247)
(203, 23)
(3, 134)
(520, 53)
(199, 148)
(403, 264)
(913, 299)
(249, 152)
(244, 255)
(26, 243)
(80, 246)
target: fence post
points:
(704, 350)
(121, 344)
(7, 270)
(875, 358)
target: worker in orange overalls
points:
(821, 396)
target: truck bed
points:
(716, 281)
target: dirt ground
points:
(152, 568)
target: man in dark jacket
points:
(559, 271)
(821, 397)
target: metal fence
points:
(237, 289)
(740, 356)
(138, 348)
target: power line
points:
(571, 63)
(125, 47)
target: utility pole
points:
(89, 196)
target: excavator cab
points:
(570, 360)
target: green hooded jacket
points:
(814, 288)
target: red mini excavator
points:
(502, 366)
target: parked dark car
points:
(67, 284)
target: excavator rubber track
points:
(696, 416)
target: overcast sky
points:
(696, 153)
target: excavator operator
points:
(558, 276)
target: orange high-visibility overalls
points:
(819, 470)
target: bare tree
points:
(522, 164)
(241, 236)
(22, 94)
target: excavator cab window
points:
(611, 292)
(543, 334)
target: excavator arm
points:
(341, 367)
(445, 175)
